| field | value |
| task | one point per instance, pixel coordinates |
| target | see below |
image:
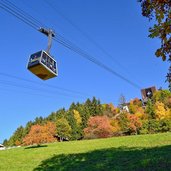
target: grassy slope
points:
(144, 152)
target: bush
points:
(155, 126)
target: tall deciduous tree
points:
(40, 134)
(134, 124)
(160, 11)
(161, 96)
(98, 127)
(161, 112)
(63, 129)
(34, 136)
(77, 117)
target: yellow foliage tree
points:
(134, 105)
(115, 126)
(160, 111)
(140, 113)
(77, 117)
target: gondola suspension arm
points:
(50, 33)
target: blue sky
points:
(117, 26)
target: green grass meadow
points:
(134, 153)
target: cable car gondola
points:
(41, 63)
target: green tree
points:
(27, 128)
(76, 129)
(39, 120)
(56, 115)
(93, 107)
(84, 113)
(161, 96)
(63, 129)
(150, 109)
(16, 138)
(5, 142)
(123, 122)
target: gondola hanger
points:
(41, 63)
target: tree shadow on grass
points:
(111, 159)
(35, 146)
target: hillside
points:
(92, 119)
(142, 152)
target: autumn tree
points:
(134, 105)
(98, 127)
(161, 96)
(49, 131)
(77, 117)
(34, 136)
(140, 113)
(168, 102)
(40, 134)
(116, 129)
(160, 11)
(134, 124)
(110, 110)
(161, 112)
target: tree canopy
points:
(95, 120)
(160, 11)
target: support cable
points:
(65, 43)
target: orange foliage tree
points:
(134, 123)
(134, 105)
(40, 134)
(98, 127)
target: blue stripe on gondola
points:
(31, 64)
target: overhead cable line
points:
(9, 83)
(67, 44)
(95, 61)
(28, 16)
(43, 84)
(18, 15)
(87, 36)
(28, 93)
(56, 10)
(102, 49)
